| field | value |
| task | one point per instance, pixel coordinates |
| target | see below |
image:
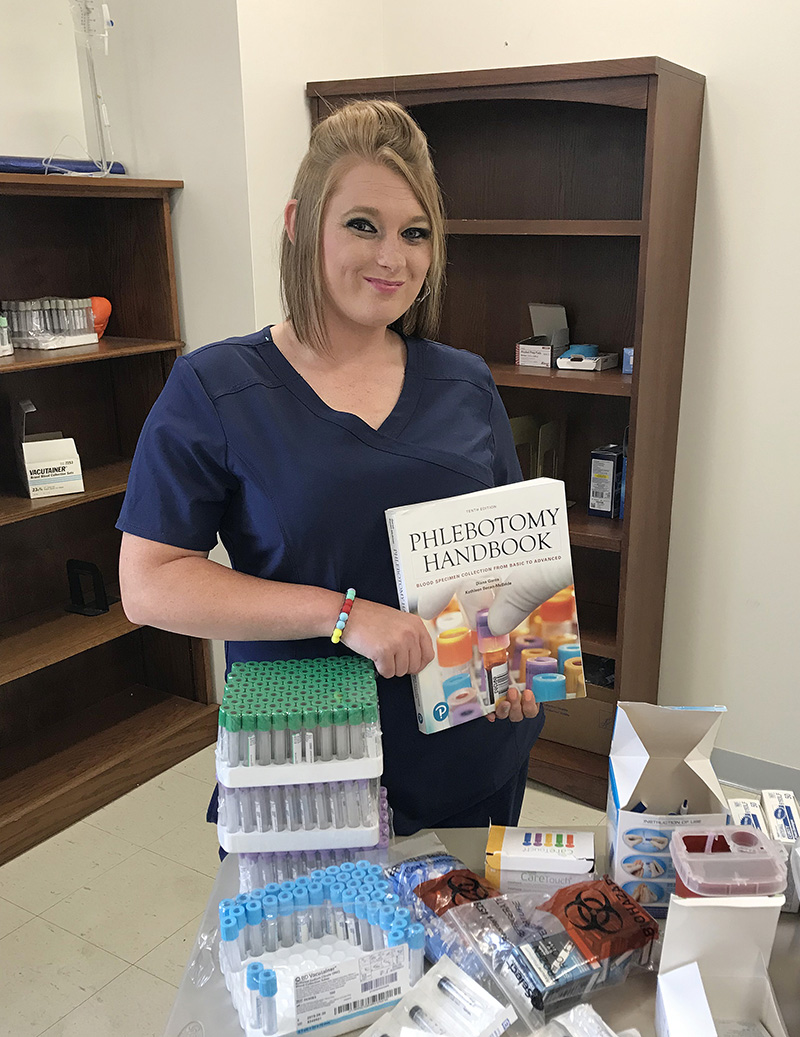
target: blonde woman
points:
(290, 444)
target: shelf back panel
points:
(32, 706)
(119, 248)
(491, 280)
(570, 161)
(34, 554)
(102, 406)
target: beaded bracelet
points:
(341, 622)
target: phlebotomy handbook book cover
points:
(490, 574)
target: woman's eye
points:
(417, 233)
(361, 225)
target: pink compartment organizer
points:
(727, 861)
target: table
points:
(631, 1004)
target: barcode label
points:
(367, 1002)
(376, 984)
(361, 984)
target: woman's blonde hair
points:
(376, 131)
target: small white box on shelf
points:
(49, 464)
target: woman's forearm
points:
(195, 596)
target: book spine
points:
(402, 597)
(394, 542)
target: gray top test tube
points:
(355, 716)
(279, 737)
(325, 734)
(341, 729)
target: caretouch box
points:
(530, 860)
(660, 756)
(712, 978)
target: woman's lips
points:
(387, 287)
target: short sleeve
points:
(505, 462)
(179, 485)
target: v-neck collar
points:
(395, 421)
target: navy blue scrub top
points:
(239, 444)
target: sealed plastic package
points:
(546, 955)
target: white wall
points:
(733, 571)
(284, 46)
(40, 98)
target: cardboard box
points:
(550, 336)
(601, 362)
(783, 818)
(531, 860)
(660, 756)
(49, 464)
(605, 480)
(537, 352)
(583, 723)
(712, 979)
(627, 360)
(746, 812)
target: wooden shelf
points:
(597, 624)
(563, 228)
(598, 383)
(103, 481)
(105, 349)
(33, 642)
(93, 186)
(575, 772)
(91, 758)
(603, 534)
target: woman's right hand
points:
(397, 642)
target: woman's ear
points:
(289, 218)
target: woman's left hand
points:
(514, 708)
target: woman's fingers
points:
(516, 708)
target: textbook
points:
(490, 574)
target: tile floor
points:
(96, 924)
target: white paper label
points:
(350, 988)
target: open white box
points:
(714, 967)
(660, 756)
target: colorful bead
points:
(341, 622)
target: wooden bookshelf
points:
(575, 184)
(89, 705)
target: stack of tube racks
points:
(299, 757)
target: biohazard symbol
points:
(464, 888)
(593, 912)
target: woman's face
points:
(376, 247)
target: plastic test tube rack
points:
(260, 869)
(299, 721)
(299, 817)
(317, 921)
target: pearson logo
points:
(440, 711)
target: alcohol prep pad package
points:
(546, 955)
(445, 1001)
